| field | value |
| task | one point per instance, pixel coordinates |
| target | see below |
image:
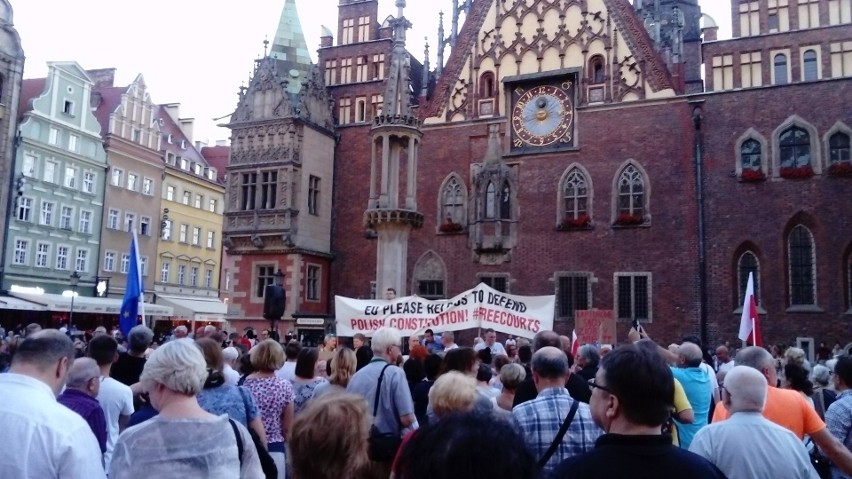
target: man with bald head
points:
(577, 387)
(539, 420)
(789, 409)
(80, 396)
(47, 439)
(698, 388)
(747, 444)
(723, 357)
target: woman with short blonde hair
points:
(343, 366)
(173, 376)
(317, 434)
(452, 392)
(274, 397)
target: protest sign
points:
(480, 307)
(595, 326)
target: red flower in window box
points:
(797, 172)
(752, 176)
(840, 169)
(450, 227)
(625, 219)
(582, 221)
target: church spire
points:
(397, 99)
(289, 46)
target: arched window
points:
(452, 201)
(780, 64)
(795, 148)
(800, 250)
(490, 201)
(486, 85)
(575, 195)
(506, 202)
(811, 71)
(838, 148)
(596, 70)
(750, 155)
(631, 192)
(429, 278)
(748, 264)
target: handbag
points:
(818, 460)
(561, 434)
(383, 446)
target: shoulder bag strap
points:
(378, 390)
(239, 438)
(560, 435)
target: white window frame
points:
(21, 253)
(109, 261)
(113, 218)
(62, 260)
(84, 259)
(25, 205)
(42, 258)
(147, 186)
(45, 217)
(66, 222)
(165, 272)
(85, 224)
(89, 178)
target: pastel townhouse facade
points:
(58, 175)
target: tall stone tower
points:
(280, 176)
(11, 75)
(396, 136)
(674, 27)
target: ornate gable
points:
(603, 40)
(266, 97)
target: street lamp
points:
(75, 280)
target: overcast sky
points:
(195, 52)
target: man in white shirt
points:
(748, 445)
(116, 398)
(43, 438)
(723, 359)
(291, 353)
(448, 339)
(490, 341)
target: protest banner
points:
(480, 307)
(595, 326)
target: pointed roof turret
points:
(289, 46)
(398, 88)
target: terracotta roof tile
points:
(106, 100)
(30, 90)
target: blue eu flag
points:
(132, 292)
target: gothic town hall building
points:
(615, 154)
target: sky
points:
(199, 53)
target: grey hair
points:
(385, 338)
(177, 365)
(230, 353)
(589, 352)
(747, 388)
(691, 354)
(182, 328)
(512, 375)
(550, 362)
(754, 357)
(140, 338)
(449, 335)
(821, 375)
(81, 372)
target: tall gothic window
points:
(750, 155)
(596, 70)
(506, 202)
(575, 195)
(452, 202)
(748, 264)
(490, 201)
(631, 192)
(800, 250)
(268, 186)
(248, 190)
(838, 148)
(780, 68)
(795, 148)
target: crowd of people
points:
(209, 404)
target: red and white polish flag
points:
(750, 319)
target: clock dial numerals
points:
(542, 116)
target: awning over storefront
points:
(87, 304)
(195, 308)
(9, 302)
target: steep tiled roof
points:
(30, 89)
(217, 157)
(106, 101)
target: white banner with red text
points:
(480, 307)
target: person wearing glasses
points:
(81, 389)
(540, 420)
(632, 396)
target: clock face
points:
(543, 116)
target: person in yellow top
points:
(682, 410)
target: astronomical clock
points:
(542, 114)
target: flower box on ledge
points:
(840, 169)
(581, 222)
(625, 219)
(797, 172)
(752, 176)
(451, 228)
